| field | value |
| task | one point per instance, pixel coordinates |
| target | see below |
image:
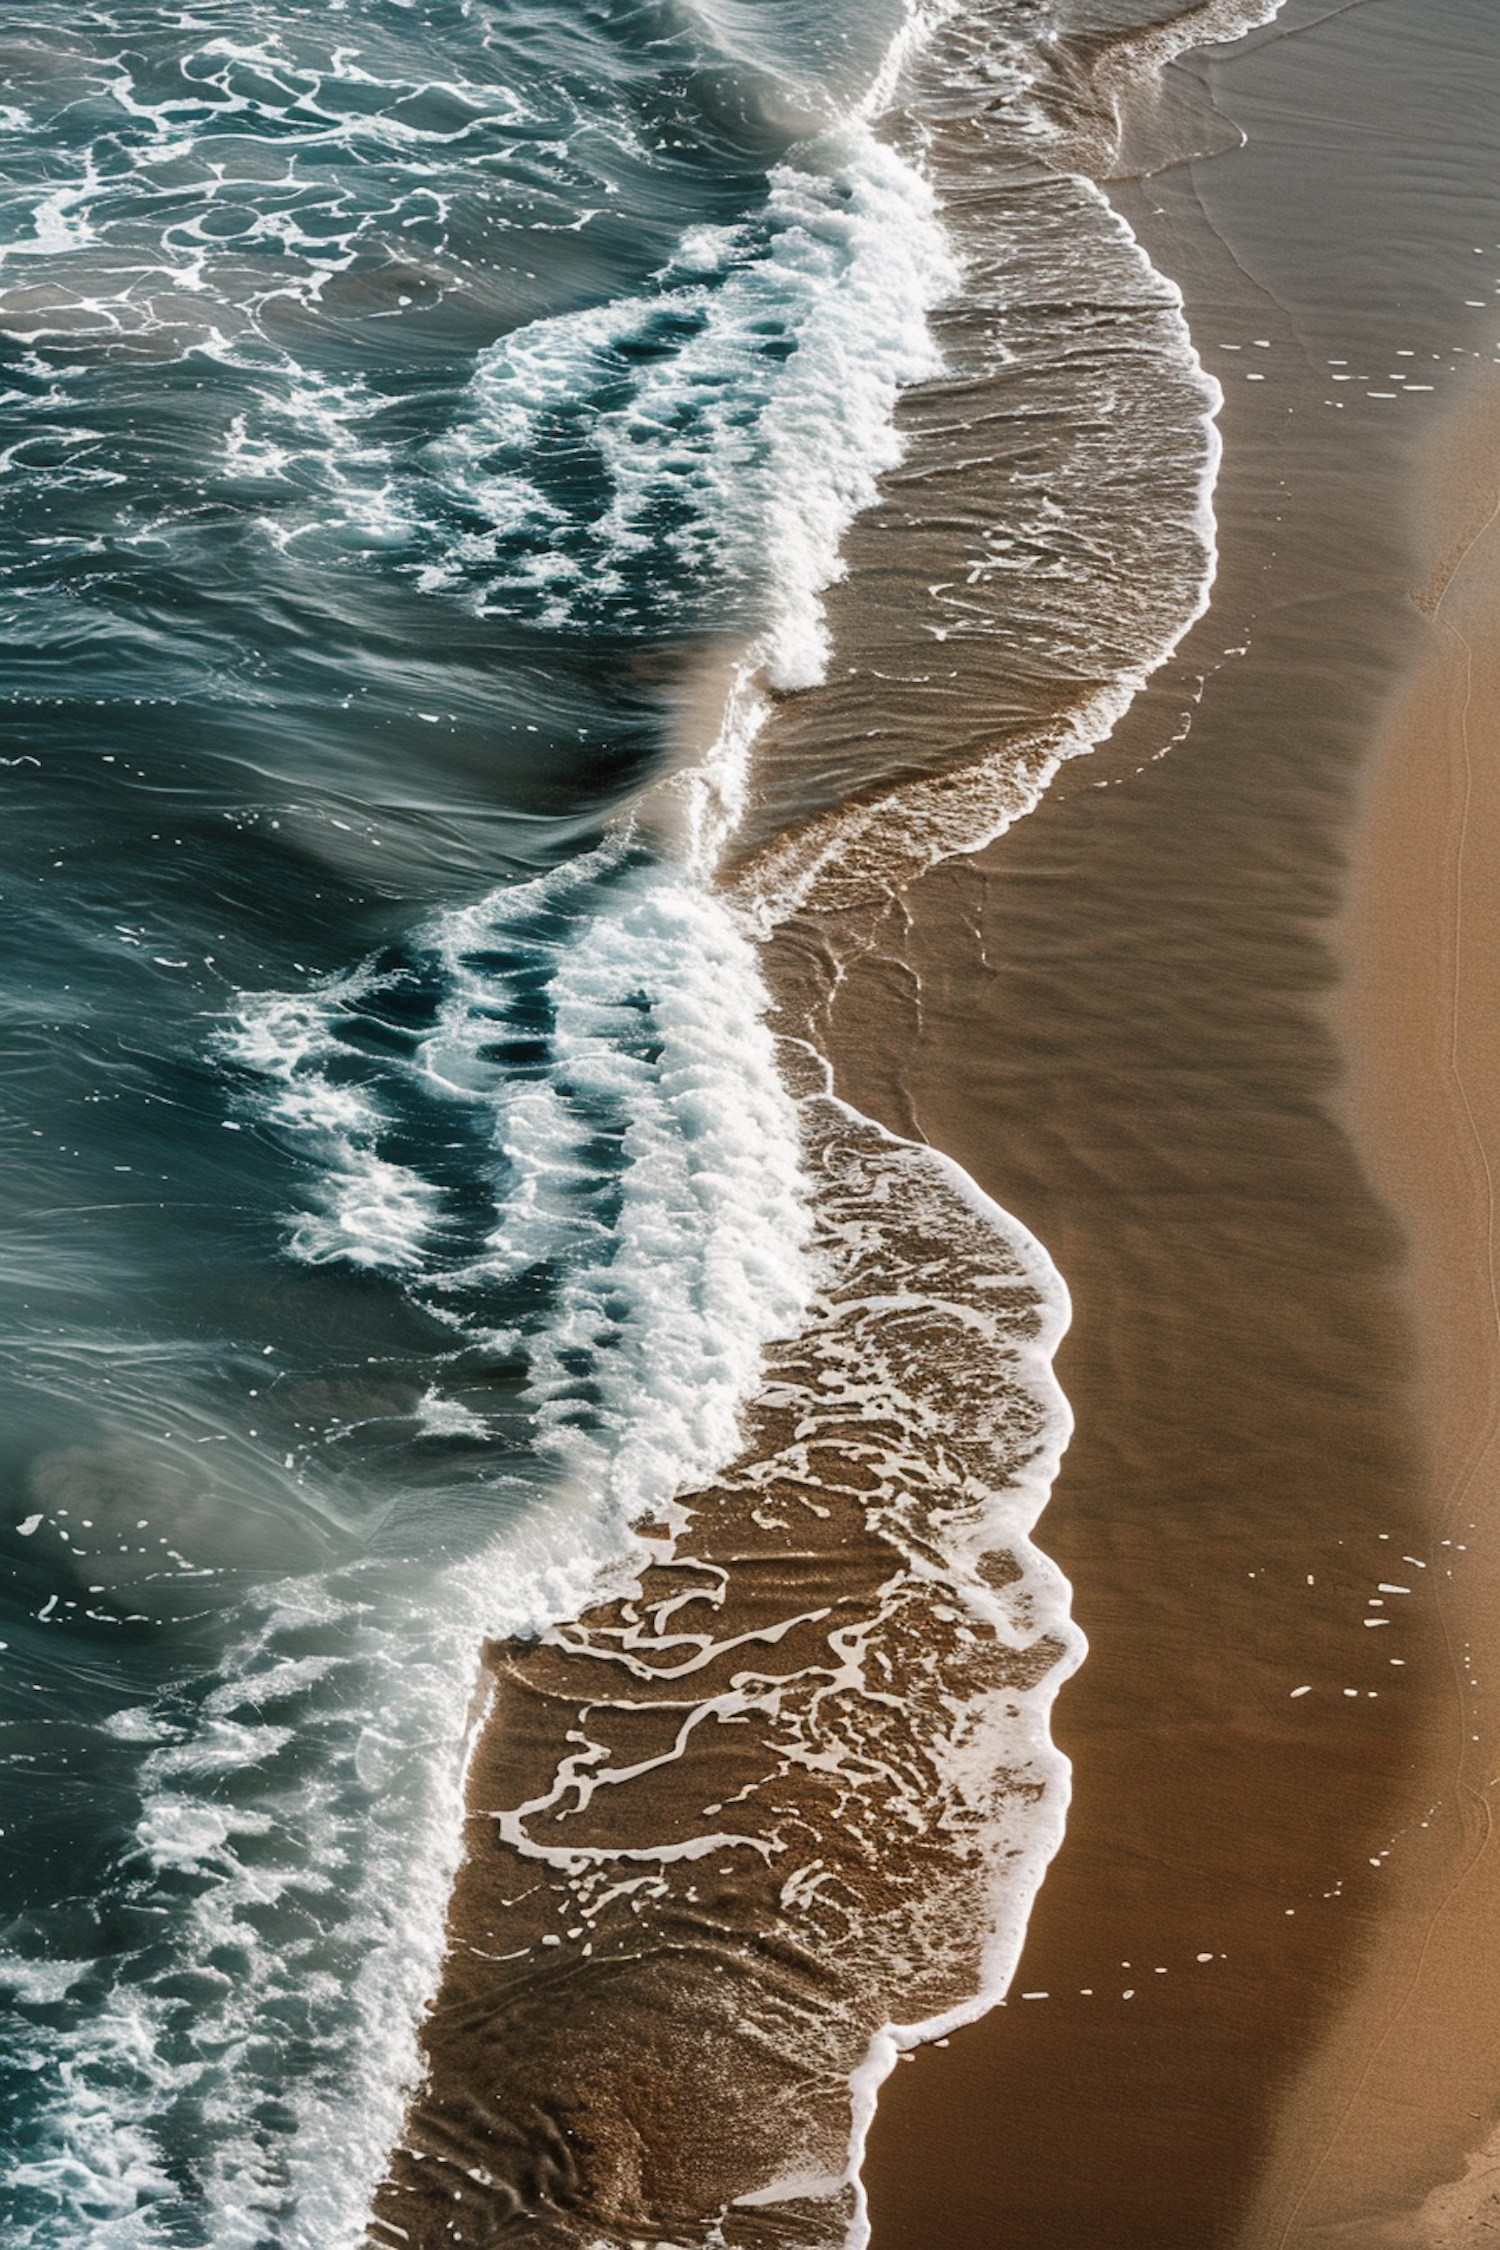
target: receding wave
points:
(790, 1780)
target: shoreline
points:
(906, 1907)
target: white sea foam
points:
(650, 1163)
(679, 1263)
(700, 1264)
(870, 849)
(312, 1804)
(265, 1876)
(682, 1259)
(369, 1211)
(748, 441)
(1006, 1736)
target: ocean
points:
(431, 441)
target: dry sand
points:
(1409, 2082)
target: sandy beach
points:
(1251, 1108)
(1409, 2079)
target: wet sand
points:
(727, 1821)
(1231, 1051)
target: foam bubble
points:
(760, 377)
(646, 1156)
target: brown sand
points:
(1149, 1098)
(1410, 2078)
(1145, 1073)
